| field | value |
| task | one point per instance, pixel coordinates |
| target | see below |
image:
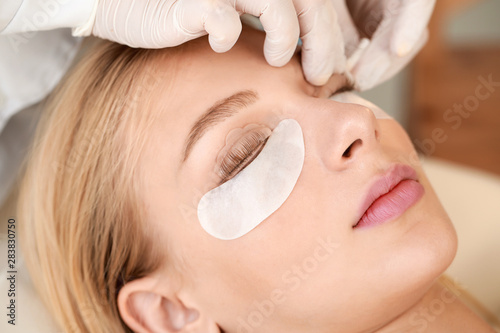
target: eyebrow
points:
(217, 113)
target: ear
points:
(147, 306)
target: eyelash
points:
(242, 154)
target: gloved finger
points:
(377, 59)
(280, 22)
(377, 65)
(410, 23)
(194, 18)
(223, 25)
(349, 31)
(182, 21)
(323, 45)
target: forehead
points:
(196, 77)
(201, 71)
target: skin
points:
(364, 280)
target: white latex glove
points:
(396, 30)
(165, 23)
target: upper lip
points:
(385, 183)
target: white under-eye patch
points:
(242, 203)
(352, 98)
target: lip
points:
(390, 196)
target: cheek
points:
(302, 251)
(396, 141)
(284, 255)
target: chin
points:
(423, 255)
(429, 246)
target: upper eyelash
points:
(243, 152)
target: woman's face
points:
(304, 268)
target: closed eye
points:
(242, 154)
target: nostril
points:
(352, 147)
(347, 152)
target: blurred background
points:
(464, 44)
(452, 114)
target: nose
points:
(349, 132)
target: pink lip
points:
(390, 196)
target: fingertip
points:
(221, 44)
(318, 68)
(278, 61)
(318, 80)
(276, 55)
(403, 43)
(280, 48)
(224, 28)
(282, 32)
(409, 26)
(403, 49)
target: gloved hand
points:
(165, 23)
(396, 30)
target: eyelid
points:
(240, 163)
(237, 152)
(235, 135)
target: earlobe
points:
(144, 307)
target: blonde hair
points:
(83, 228)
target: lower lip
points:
(392, 204)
